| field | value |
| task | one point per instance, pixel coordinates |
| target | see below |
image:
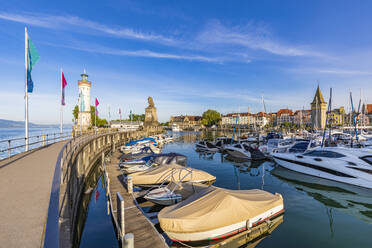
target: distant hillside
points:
(15, 124)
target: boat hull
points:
(304, 168)
(238, 154)
(227, 231)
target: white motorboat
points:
(353, 200)
(206, 146)
(175, 128)
(216, 213)
(276, 145)
(346, 165)
(152, 161)
(173, 192)
(244, 151)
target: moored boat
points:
(216, 213)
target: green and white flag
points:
(32, 58)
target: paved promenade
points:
(24, 196)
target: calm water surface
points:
(316, 215)
(13, 133)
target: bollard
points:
(43, 137)
(103, 158)
(128, 240)
(108, 187)
(120, 214)
(129, 184)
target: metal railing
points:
(10, 147)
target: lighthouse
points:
(84, 119)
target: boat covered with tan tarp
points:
(216, 213)
(171, 173)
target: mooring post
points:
(129, 184)
(120, 215)
(103, 158)
(128, 241)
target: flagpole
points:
(95, 117)
(61, 116)
(26, 94)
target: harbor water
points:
(318, 213)
(35, 135)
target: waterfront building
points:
(337, 117)
(262, 119)
(318, 111)
(126, 125)
(84, 118)
(302, 117)
(244, 120)
(283, 116)
(185, 122)
(362, 119)
(368, 111)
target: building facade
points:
(186, 121)
(337, 117)
(126, 125)
(318, 111)
(284, 116)
(84, 118)
(302, 118)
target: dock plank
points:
(135, 222)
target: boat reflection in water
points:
(352, 200)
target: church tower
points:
(84, 102)
(318, 111)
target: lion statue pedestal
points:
(151, 117)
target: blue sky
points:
(188, 55)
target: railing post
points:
(128, 241)
(120, 215)
(129, 184)
(9, 148)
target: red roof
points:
(369, 108)
(284, 111)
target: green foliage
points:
(100, 122)
(164, 124)
(137, 117)
(211, 117)
(75, 112)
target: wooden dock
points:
(143, 228)
(135, 222)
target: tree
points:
(99, 122)
(75, 112)
(137, 117)
(211, 117)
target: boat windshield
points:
(324, 154)
(299, 147)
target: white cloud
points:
(140, 53)
(251, 37)
(62, 22)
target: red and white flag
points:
(64, 84)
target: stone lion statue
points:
(151, 101)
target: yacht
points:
(244, 150)
(346, 165)
(276, 145)
(352, 200)
(206, 146)
(175, 128)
